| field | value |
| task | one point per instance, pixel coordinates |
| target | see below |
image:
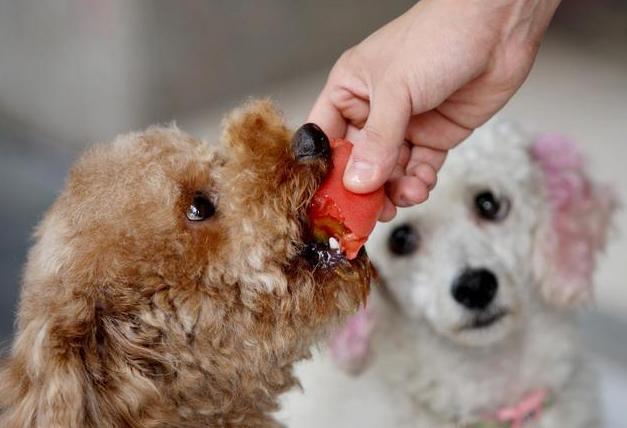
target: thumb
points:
(377, 147)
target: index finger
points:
(328, 116)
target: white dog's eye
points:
(200, 209)
(491, 208)
(403, 240)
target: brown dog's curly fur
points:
(133, 316)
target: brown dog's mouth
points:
(329, 264)
(323, 255)
(328, 255)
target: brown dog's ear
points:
(256, 149)
(255, 127)
(575, 224)
(350, 345)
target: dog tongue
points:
(339, 217)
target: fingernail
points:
(360, 172)
(403, 202)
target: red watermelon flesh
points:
(337, 213)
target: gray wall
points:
(82, 71)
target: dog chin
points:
(483, 330)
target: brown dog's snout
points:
(310, 142)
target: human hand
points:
(421, 84)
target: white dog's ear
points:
(575, 224)
(350, 345)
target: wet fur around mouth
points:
(131, 316)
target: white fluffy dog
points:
(473, 323)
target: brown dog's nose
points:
(310, 142)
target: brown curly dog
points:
(169, 285)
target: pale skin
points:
(421, 84)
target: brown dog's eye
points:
(200, 209)
(491, 208)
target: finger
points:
(327, 116)
(405, 191)
(336, 107)
(424, 164)
(377, 149)
(353, 108)
(421, 155)
(389, 211)
(397, 172)
(425, 161)
(434, 130)
(404, 155)
(425, 173)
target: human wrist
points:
(505, 15)
(528, 20)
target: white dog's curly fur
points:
(434, 361)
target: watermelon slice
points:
(338, 217)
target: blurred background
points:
(73, 73)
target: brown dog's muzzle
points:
(311, 143)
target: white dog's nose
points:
(475, 289)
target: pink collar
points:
(517, 416)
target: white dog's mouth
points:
(484, 319)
